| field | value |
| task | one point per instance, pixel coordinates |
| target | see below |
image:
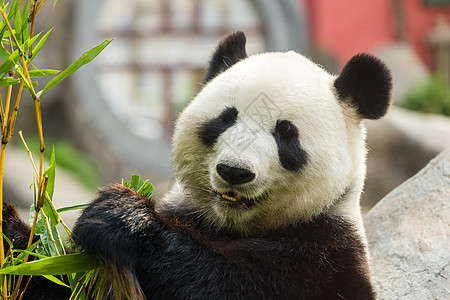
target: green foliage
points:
(143, 188)
(86, 58)
(13, 59)
(57, 265)
(433, 96)
(83, 273)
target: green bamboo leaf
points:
(4, 54)
(13, 59)
(9, 63)
(8, 241)
(12, 11)
(2, 29)
(46, 232)
(41, 43)
(87, 57)
(24, 253)
(57, 265)
(69, 208)
(24, 32)
(50, 211)
(18, 26)
(143, 188)
(55, 280)
(42, 72)
(147, 191)
(135, 182)
(5, 81)
(26, 45)
(34, 83)
(51, 175)
(8, 34)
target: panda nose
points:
(234, 175)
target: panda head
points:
(273, 139)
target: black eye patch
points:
(210, 131)
(291, 154)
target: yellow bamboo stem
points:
(2, 250)
(31, 19)
(6, 111)
(12, 120)
(25, 288)
(29, 152)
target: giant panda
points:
(269, 164)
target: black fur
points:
(18, 232)
(292, 156)
(322, 259)
(366, 83)
(230, 50)
(210, 131)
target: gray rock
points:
(409, 236)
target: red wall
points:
(346, 27)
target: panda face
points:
(266, 143)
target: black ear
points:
(230, 50)
(366, 84)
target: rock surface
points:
(409, 236)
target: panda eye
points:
(285, 128)
(291, 154)
(210, 131)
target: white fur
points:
(331, 134)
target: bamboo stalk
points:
(34, 10)
(6, 111)
(2, 250)
(25, 288)
(29, 152)
(12, 120)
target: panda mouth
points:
(236, 199)
(231, 196)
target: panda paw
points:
(114, 223)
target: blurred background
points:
(114, 117)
